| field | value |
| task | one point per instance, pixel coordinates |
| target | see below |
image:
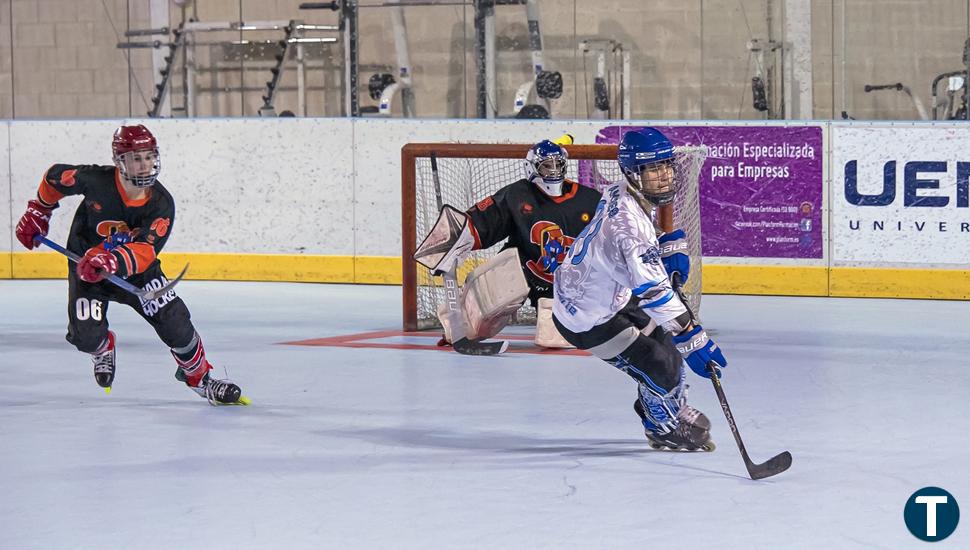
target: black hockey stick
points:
(116, 280)
(460, 342)
(773, 466)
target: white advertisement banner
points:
(900, 195)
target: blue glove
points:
(673, 254)
(698, 349)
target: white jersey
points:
(617, 255)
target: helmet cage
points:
(546, 166)
(128, 167)
(551, 169)
(655, 182)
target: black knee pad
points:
(653, 357)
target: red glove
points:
(96, 264)
(34, 222)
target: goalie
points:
(540, 215)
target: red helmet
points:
(131, 139)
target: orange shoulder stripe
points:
(46, 192)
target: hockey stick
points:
(460, 342)
(773, 466)
(116, 280)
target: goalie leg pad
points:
(493, 292)
(444, 319)
(547, 335)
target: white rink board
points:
(916, 222)
(240, 185)
(322, 186)
(36, 145)
(259, 185)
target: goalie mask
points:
(647, 159)
(135, 153)
(545, 166)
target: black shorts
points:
(650, 358)
(87, 309)
(630, 316)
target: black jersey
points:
(106, 211)
(541, 227)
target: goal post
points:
(470, 172)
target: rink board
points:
(318, 200)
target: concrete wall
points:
(58, 57)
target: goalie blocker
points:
(493, 291)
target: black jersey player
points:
(120, 226)
(539, 215)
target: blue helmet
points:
(646, 157)
(545, 166)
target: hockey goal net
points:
(471, 172)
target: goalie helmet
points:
(646, 158)
(545, 166)
(135, 153)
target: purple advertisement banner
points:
(760, 188)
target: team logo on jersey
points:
(67, 178)
(651, 256)
(158, 229)
(160, 226)
(107, 228)
(553, 244)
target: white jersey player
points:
(613, 296)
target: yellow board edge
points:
(864, 282)
(771, 280)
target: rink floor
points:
(383, 448)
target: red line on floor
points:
(360, 341)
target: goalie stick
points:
(461, 344)
(773, 466)
(116, 280)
